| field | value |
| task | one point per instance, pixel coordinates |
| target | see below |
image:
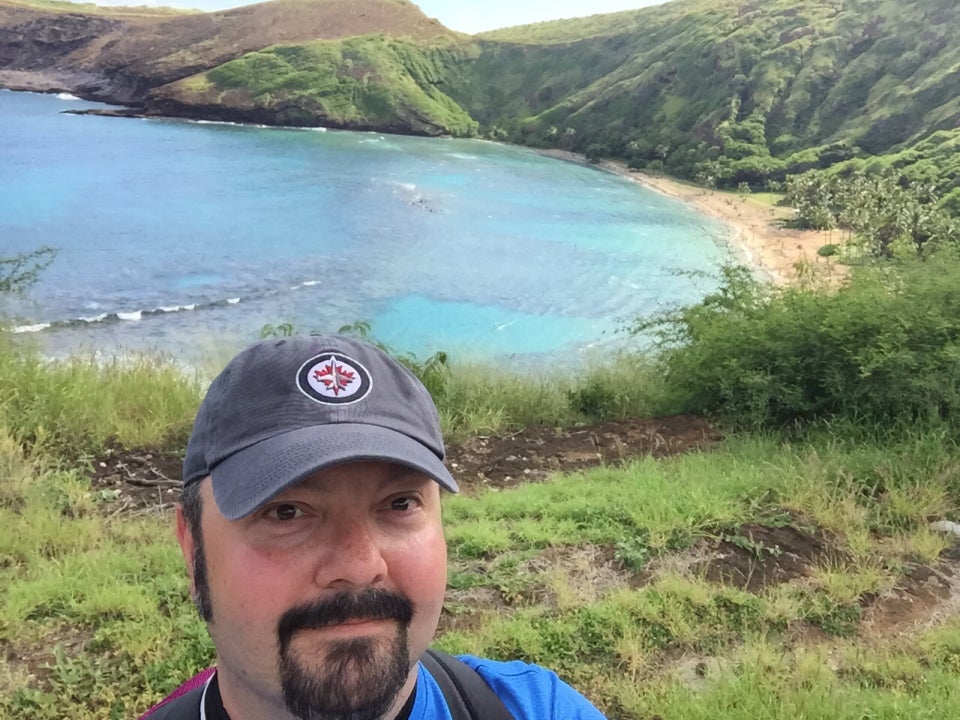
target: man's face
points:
(324, 598)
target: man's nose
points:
(354, 556)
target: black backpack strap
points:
(466, 693)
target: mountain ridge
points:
(726, 92)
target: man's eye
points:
(401, 504)
(285, 512)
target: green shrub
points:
(882, 349)
(18, 272)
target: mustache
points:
(370, 604)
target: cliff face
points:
(119, 56)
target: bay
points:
(185, 238)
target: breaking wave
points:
(120, 316)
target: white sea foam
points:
(66, 96)
(135, 316)
(30, 328)
(233, 301)
(93, 318)
(311, 283)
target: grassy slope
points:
(752, 83)
(726, 91)
(368, 82)
(594, 575)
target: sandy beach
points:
(757, 231)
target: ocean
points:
(185, 238)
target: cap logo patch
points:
(333, 379)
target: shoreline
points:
(757, 233)
(756, 230)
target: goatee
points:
(350, 679)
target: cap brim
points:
(249, 478)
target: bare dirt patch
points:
(758, 556)
(924, 597)
(534, 454)
(137, 482)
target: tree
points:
(19, 272)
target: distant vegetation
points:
(730, 93)
(369, 81)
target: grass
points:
(477, 399)
(601, 575)
(81, 405)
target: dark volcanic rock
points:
(44, 42)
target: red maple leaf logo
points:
(334, 377)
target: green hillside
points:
(720, 91)
(366, 82)
(742, 91)
(723, 92)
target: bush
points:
(881, 350)
(19, 272)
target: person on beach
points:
(311, 528)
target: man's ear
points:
(186, 541)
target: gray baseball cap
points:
(285, 408)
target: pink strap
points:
(193, 683)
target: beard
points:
(349, 679)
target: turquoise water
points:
(181, 237)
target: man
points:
(310, 523)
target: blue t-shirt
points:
(530, 692)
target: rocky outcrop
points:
(45, 41)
